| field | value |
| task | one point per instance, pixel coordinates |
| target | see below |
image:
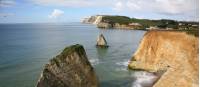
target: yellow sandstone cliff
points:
(176, 53)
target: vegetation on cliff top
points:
(116, 19)
(71, 68)
(67, 51)
(163, 23)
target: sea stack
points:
(176, 53)
(71, 68)
(101, 41)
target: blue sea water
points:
(25, 48)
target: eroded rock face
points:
(71, 68)
(174, 52)
(93, 19)
(104, 25)
(101, 41)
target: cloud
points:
(75, 3)
(159, 8)
(118, 6)
(178, 9)
(7, 3)
(6, 14)
(56, 13)
(66, 3)
(171, 7)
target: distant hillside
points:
(109, 21)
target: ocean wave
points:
(94, 61)
(123, 63)
(143, 79)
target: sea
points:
(26, 47)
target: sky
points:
(45, 11)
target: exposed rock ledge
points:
(174, 52)
(69, 69)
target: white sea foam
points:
(123, 63)
(94, 61)
(143, 79)
(121, 69)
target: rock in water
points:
(176, 53)
(101, 41)
(71, 68)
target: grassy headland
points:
(147, 23)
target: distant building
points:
(134, 24)
(152, 28)
(194, 25)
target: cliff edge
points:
(71, 68)
(176, 53)
(93, 19)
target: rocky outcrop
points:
(176, 53)
(71, 68)
(101, 41)
(104, 25)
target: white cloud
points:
(131, 5)
(66, 3)
(7, 3)
(183, 9)
(56, 13)
(75, 3)
(118, 6)
(6, 14)
(160, 6)
(180, 8)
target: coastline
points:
(124, 22)
(165, 51)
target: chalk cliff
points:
(93, 19)
(176, 53)
(112, 22)
(71, 68)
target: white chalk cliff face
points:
(101, 41)
(98, 20)
(93, 19)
